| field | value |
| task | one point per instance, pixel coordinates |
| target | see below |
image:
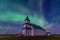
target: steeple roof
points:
(27, 18)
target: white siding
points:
(39, 32)
(27, 32)
(33, 31)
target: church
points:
(30, 29)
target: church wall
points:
(33, 31)
(27, 32)
(38, 32)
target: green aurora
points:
(13, 15)
(17, 16)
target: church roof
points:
(35, 26)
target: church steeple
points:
(27, 20)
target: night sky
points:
(45, 13)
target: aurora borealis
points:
(41, 12)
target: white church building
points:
(30, 29)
